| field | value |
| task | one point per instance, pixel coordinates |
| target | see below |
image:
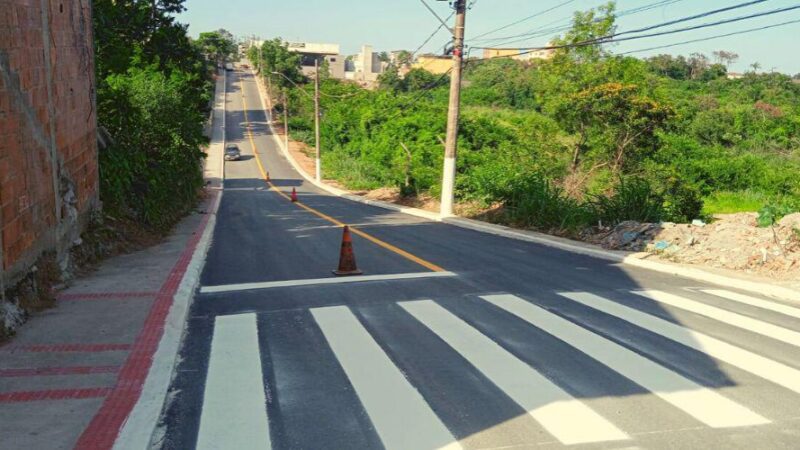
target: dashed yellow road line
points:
(427, 264)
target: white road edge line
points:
(401, 416)
(568, 419)
(234, 411)
(766, 368)
(769, 330)
(700, 402)
(317, 281)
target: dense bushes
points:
(153, 95)
(152, 169)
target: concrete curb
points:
(632, 259)
(140, 429)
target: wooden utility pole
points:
(449, 173)
(316, 118)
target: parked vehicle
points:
(229, 66)
(232, 152)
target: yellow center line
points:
(427, 264)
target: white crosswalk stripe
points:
(234, 413)
(556, 410)
(702, 403)
(401, 416)
(786, 335)
(753, 301)
(768, 369)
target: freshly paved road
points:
(525, 346)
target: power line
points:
(441, 21)
(435, 32)
(696, 16)
(525, 19)
(565, 23)
(766, 27)
(613, 37)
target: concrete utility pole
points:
(316, 118)
(285, 121)
(449, 174)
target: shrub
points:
(682, 202)
(633, 199)
(532, 201)
(152, 169)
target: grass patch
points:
(734, 202)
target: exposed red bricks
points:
(31, 118)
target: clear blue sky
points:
(404, 24)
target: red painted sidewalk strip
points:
(105, 295)
(45, 371)
(53, 394)
(106, 424)
(88, 348)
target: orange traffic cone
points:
(347, 260)
(294, 195)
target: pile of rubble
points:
(730, 241)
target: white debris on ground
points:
(730, 241)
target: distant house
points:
(735, 75)
(364, 67)
(520, 54)
(311, 52)
(433, 63)
(489, 53)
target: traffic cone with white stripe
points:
(347, 259)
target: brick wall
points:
(48, 143)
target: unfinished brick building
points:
(48, 140)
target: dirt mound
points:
(730, 241)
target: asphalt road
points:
(520, 346)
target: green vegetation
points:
(153, 95)
(583, 137)
(734, 202)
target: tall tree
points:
(725, 57)
(594, 24)
(218, 46)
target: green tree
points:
(417, 79)
(218, 46)
(390, 79)
(276, 57)
(153, 94)
(619, 123)
(594, 25)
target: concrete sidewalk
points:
(74, 373)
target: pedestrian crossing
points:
(403, 413)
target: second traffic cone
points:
(347, 259)
(294, 195)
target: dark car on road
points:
(232, 152)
